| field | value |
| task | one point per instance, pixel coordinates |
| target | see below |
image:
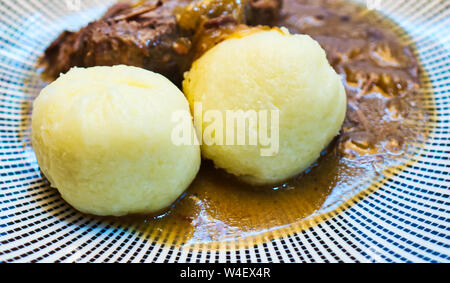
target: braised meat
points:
(158, 35)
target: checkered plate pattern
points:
(406, 219)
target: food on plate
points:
(381, 76)
(103, 137)
(158, 35)
(269, 70)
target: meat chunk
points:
(263, 12)
(142, 36)
(149, 35)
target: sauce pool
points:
(382, 81)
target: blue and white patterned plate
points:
(407, 218)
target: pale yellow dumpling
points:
(268, 70)
(102, 137)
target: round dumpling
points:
(103, 137)
(274, 74)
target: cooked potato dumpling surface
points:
(102, 137)
(270, 70)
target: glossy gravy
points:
(384, 122)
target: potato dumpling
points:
(269, 70)
(102, 137)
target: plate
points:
(403, 217)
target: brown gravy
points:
(382, 83)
